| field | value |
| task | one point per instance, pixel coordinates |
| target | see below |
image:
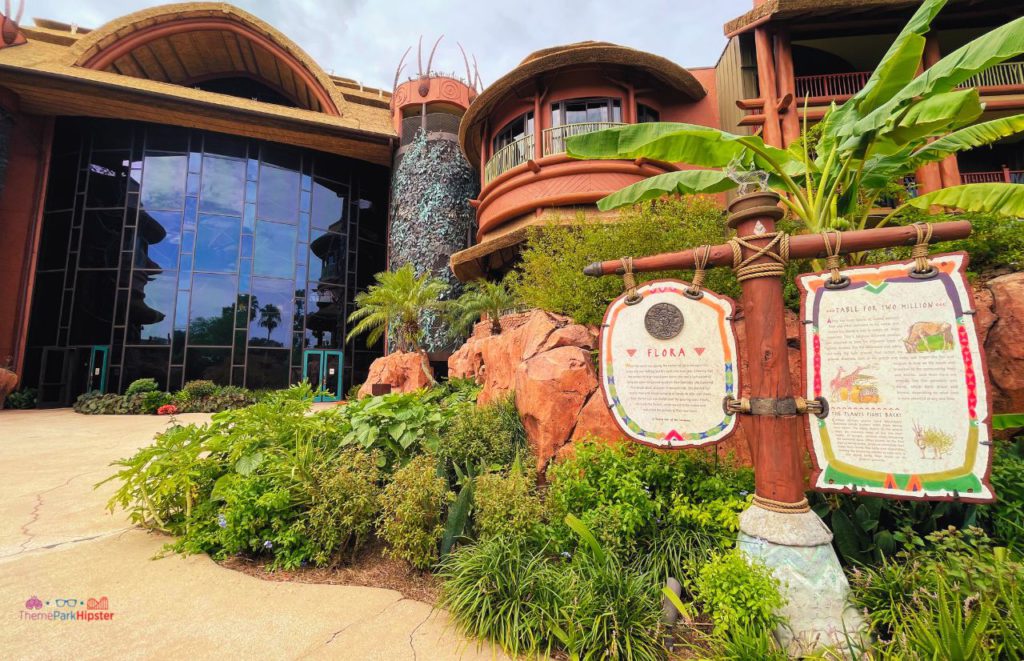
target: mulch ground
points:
(370, 568)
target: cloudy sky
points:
(364, 39)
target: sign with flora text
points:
(668, 360)
(898, 359)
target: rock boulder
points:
(403, 371)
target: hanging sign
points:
(898, 359)
(668, 361)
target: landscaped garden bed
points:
(143, 396)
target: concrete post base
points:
(798, 549)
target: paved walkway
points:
(57, 541)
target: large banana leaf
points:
(990, 49)
(935, 115)
(682, 143)
(1003, 199)
(898, 67)
(683, 182)
(883, 169)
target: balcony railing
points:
(1004, 176)
(1005, 74)
(513, 154)
(831, 84)
(554, 138)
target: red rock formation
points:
(8, 382)
(551, 389)
(403, 371)
(1004, 347)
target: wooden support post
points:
(774, 440)
(772, 134)
(787, 85)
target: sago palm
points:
(482, 297)
(396, 302)
(898, 122)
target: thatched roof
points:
(849, 10)
(666, 72)
(52, 76)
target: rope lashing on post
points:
(783, 508)
(701, 255)
(922, 267)
(833, 261)
(629, 282)
(746, 270)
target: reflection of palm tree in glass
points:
(270, 318)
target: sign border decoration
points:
(725, 308)
(964, 483)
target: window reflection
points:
(327, 255)
(157, 240)
(270, 312)
(275, 249)
(223, 185)
(329, 205)
(101, 238)
(217, 243)
(211, 364)
(92, 316)
(163, 182)
(212, 313)
(324, 316)
(108, 179)
(267, 368)
(145, 362)
(278, 197)
(151, 310)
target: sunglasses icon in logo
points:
(71, 603)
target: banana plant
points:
(898, 122)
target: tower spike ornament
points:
(9, 30)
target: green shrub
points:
(501, 589)
(411, 509)
(506, 506)
(199, 388)
(397, 424)
(142, 385)
(97, 403)
(739, 594)
(1005, 517)
(153, 400)
(347, 504)
(24, 398)
(550, 274)
(491, 435)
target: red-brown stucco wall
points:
(20, 210)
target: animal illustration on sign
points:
(936, 440)
(856, 387)
(929, 336)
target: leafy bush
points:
(153, 400)
(550, 275)
(501, 589)
(142, 385)
(96, 403)
(24, 398)
(397, 424)
(411, 509)
(506, 506)
(1005, 517)
(633, 498)
(739, 594)
(199, 388)
(491, 435)
(344, 511)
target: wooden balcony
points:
(519, 152)
(1002, 176)
(555, 137)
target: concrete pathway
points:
(57, 541)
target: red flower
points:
(167, 409)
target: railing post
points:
(1006, 173)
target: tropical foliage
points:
(395, 305)
(479, 298)
(898, 122)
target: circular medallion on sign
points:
(664, 321)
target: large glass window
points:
(519, 127)
(581, 111)
(646, 114)
(192, 254)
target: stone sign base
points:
(798, 550)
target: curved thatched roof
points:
(188, 42)
(673, 76)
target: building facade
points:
(187, 195)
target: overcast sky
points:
(364, 39)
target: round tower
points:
(432, 184)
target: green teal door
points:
(98, 358)
(322, 368)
